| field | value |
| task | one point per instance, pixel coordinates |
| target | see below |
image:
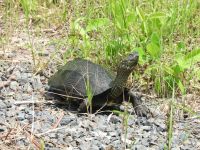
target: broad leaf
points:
(94, 24)
(189, 59)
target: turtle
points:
(107, 88)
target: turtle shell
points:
(73, 78)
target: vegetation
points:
(165, 33)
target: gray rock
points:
(175, 148)
(27, 88)
(14, 85)
(187, 147)
(94, 147)
(131, 122)
(78, 134)
(29, 111)
(36, 83)
(21, 116)
(10, 113)
(17, 74)
(88, 146)
(145, 142)
(20, 142)
(73, 143)
(2, 129)
(117, 143)
(46, 115)
(2, 119)
(67, 139)
(23, 78)
(97, 143)
(146, 128)
(29, 117)
(114, 119)
(45, 127)
(153, 138)
(74, 123)
(2, 105)
(161, 124)
(66, 120)
(106, 140)
(52, 135)
(138, 147)
(113, 134)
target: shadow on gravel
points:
(57, 101)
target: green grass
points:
(165, 33)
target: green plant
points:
(89, 94)
(170, 120)
(164, 74)
(92, 25)
(125, 116)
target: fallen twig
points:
(58, 121)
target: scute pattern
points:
(72, 78)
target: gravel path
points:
(24, 124)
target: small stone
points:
(131, 122)
(94, 147)
(2, 119)
(66, 120)
(10, 113)
(115, 119)
(21, 116)
(143, 121)
(52, 135)
(106, 140)
(17, 74)
(36, 83)
(14, 85)
(117, 144)
(20, 142)
(153, 138)
(145, 142)
(68, 139)
(73, 143)
(139, 147)
(160, 123)
(46, 127)
(2, 129)
(187, 147)
(27, 88)
(97, 143)
(74, 123)
(29, 111)
(146, 128)
(113, 134)
(2, 105)
(175, 148)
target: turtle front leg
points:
(140, 109)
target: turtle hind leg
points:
(140, 109)
(82, 107)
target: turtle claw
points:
(142, 111)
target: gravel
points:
(82, 132)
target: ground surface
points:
(29, 120)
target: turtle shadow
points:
(56, 101)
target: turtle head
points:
(129, 62)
